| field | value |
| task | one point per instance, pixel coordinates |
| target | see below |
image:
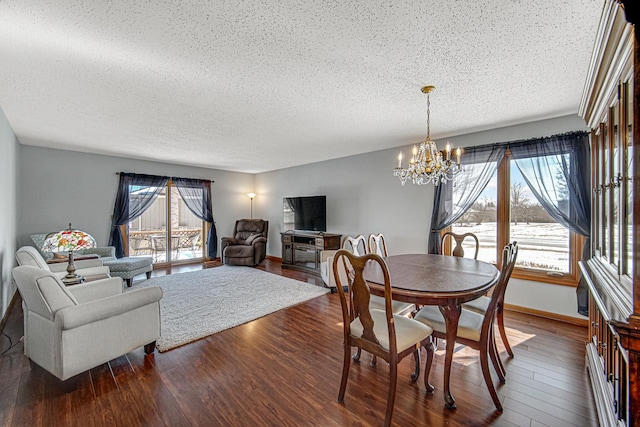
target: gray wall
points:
(58, 187)
(364, 197)
(8, 173)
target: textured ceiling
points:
(256, 85)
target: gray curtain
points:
(145, 189)
(196, 194)
(558, 170)
(453, 199)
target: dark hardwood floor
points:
(284, 369)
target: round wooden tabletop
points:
(433, 279)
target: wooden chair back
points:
(509, 256)
(349, 274)
(378, 245)
(459, 239)
(356, 245)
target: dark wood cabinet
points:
(610, 108)
(301, 250)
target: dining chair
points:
(326, 259)
(459, 239)
(158, 246)
(356, 245)
(476, 330)
(140, 244)
(379, 332)
(480, 305)
(378, 244)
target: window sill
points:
(541, 276)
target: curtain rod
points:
(179, 177)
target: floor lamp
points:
(251, 196)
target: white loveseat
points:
(90, 269)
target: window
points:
(507, 210)
(481, 219)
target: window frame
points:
(503, 221)
(124, 231)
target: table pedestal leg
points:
(451, 315)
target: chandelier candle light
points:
(427, 164)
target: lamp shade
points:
(68, 241)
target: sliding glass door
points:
(168, 231)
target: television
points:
(305, 213)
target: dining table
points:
(430, 279)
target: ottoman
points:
(129, 267)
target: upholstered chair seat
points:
(469, 325)
(408, 332)
(398, 307)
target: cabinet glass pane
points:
(596, 142)
(604, 194)
(627, 183)
(614, 187)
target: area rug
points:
(200, 303)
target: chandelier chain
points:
(428, 117)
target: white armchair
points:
(71, 329)
(90, 269)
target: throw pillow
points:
(251, 238)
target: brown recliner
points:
(248, 246)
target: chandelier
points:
(427, 164)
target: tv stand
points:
(301, 249)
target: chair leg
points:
(495, 357)
(391, 397)
(427, 365)
(149, 348)
(503, 332)
(484, 364)
(416, 374)
(374, 360)
(356, 355)
(345, 372)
